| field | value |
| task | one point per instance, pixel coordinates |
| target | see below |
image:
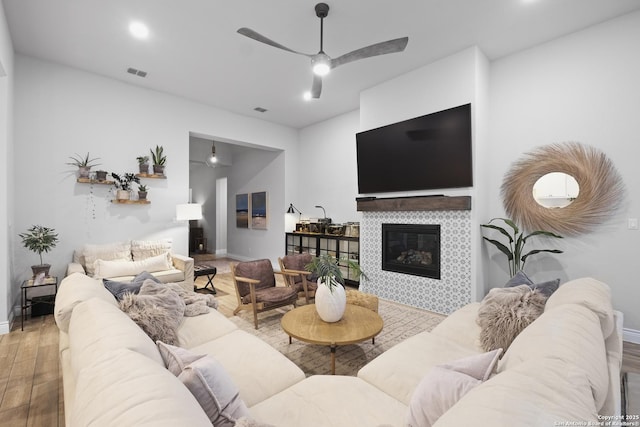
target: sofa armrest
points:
(75, 267)
(185, 264)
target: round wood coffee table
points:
(358, 324)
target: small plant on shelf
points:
(143, 164)
(123, 184)
(142, 192)
(39, 239)
(84, 164)
(159, 159)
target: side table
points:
(204, 269)
(26, 301)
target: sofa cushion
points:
(445, 384)
(569, 333)
(546, 288)
(255, 367)
(197, 330)
(505, 312)
(331, 401)
(122, 389)
(461, 327)
(110, 251)
(98, 327)
(172, 275)
(590, 293)
(118, 268)
(209, 383)
(119, 288)
(539, 392)
(399, 370)
(73, 290)
(143, 249)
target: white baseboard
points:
(631, 335)
(222, 252)
(239, 257)
(5, 327)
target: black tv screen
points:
(424, 153)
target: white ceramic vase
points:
(123, 195)
(330, 303)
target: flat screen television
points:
(424, 153)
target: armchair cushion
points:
(261, 270)
(274, 295)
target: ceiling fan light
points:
(321, 64)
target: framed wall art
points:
(242, 210)
(259, 216)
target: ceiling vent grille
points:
(135, 72)
(260, 110)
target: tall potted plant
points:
(516, 240)
(123, 184)
(39, 239)
(159, 159)
(331, 298)
(84, 164)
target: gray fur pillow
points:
(505, 312)
(156, 309)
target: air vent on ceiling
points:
(135, 72)
(260, 109)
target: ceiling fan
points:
(321, 62)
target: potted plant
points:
(143, 164)
(142, 192)
(101, 175)
(39, 239)
(331, 298)
(84, 164)
(514, 248)
(159, 159)
(123, 184)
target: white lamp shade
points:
(188, 211)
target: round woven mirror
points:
(601, 190)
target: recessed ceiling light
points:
(306, 96)
(139, 30)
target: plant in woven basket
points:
(516, 240)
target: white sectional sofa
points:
(122, 261)
(563, 367)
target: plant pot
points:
(42, 268)
(101, 175)
(123, 195)
(144, 168)
(158, 169)
(84, 171)
(142, 195)
(330, 303)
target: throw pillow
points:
(143, 249)
(159, 315)
(118, 268)
(505, 312)
(108, 252)
(209, 383)
(445, 384)
(546, 288)
(118, 289)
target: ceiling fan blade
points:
(316, 87)
(248, 32)
(382, 48)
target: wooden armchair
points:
(256, 288)
(297, 277)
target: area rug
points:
(400, 323)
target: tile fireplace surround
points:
(453, 214)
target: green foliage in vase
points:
(39, 239)
(142, 160)
(327, 268)
(158, 156)
(516, 240)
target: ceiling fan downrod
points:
(322, 10)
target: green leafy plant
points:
(158, 156)
(327, 268)
(142, 188)
(39, 239)
(83, 162)
(514, 248)
(142, 160)
(124, 182)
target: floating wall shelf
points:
(94, 181)
(151, 175)
(130, 202)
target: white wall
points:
(7, 293)
(583, 87)
(327, 160)
(60, 111)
